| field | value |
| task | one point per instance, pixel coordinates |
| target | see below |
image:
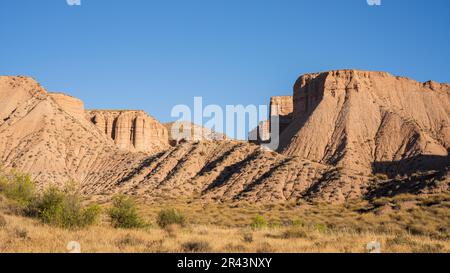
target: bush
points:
(196, 246)
(18, 187)
(322, 228)
(167, 217)
(258, 222)
(247, 237)
(381, 176)
(124, 213)
(64, 209)
(21, 233)
(297, 223)
(54, 206)
(294, 233)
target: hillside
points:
(370, 121)
(48, 137)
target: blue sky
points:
(151, 55)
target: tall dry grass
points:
(402, 224)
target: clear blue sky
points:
(148, 54)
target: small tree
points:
(124, 213)
(18, 187)
(65, 209)
(167, 217)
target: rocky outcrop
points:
(71, 105)
(345, 126)
(42, 135)
(369, 121)
(261, 134)
(280, 107)
(180, 131)
(131, 130)
(283, 107)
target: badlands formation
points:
(344, 135)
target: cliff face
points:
(131, 130)
(369, 121)
(261, 134)
(281, 107)
(48, 137)
(186, 131)
(71, 105)
(364, 122)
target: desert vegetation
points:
(47, 221)
(58, 207)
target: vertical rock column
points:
(131, 130)
(140, 138)
(124, 131)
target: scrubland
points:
(32, 221)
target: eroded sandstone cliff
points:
(180, 131)
(370, 121)
(44, 135)
(283, 107)
(280, 107)
(131, 130)
(345, 126)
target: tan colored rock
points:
(369, 121)
(280, 107)
(41, 136)
(187, 131)
(260, 134)
(333, 118)
(131, 130)
(71, 105)
(283, 107)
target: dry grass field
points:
(403, 224)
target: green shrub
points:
(65, 209)
(322, 228)
(124, 213)
(167, 217)
(18, 187)
(258, 222)
(297, 223)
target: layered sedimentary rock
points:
(282, 106)
(344, 124)
(44, 136)
(186, 131)
(131, 130)
(71, 105)
(370, 121)
(261, 134)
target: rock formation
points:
(186, 131)
(71, 105)
(43, 135)
(344, 127)
(370, 121)
(280, 107)
(131, 130)
(261, 134)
